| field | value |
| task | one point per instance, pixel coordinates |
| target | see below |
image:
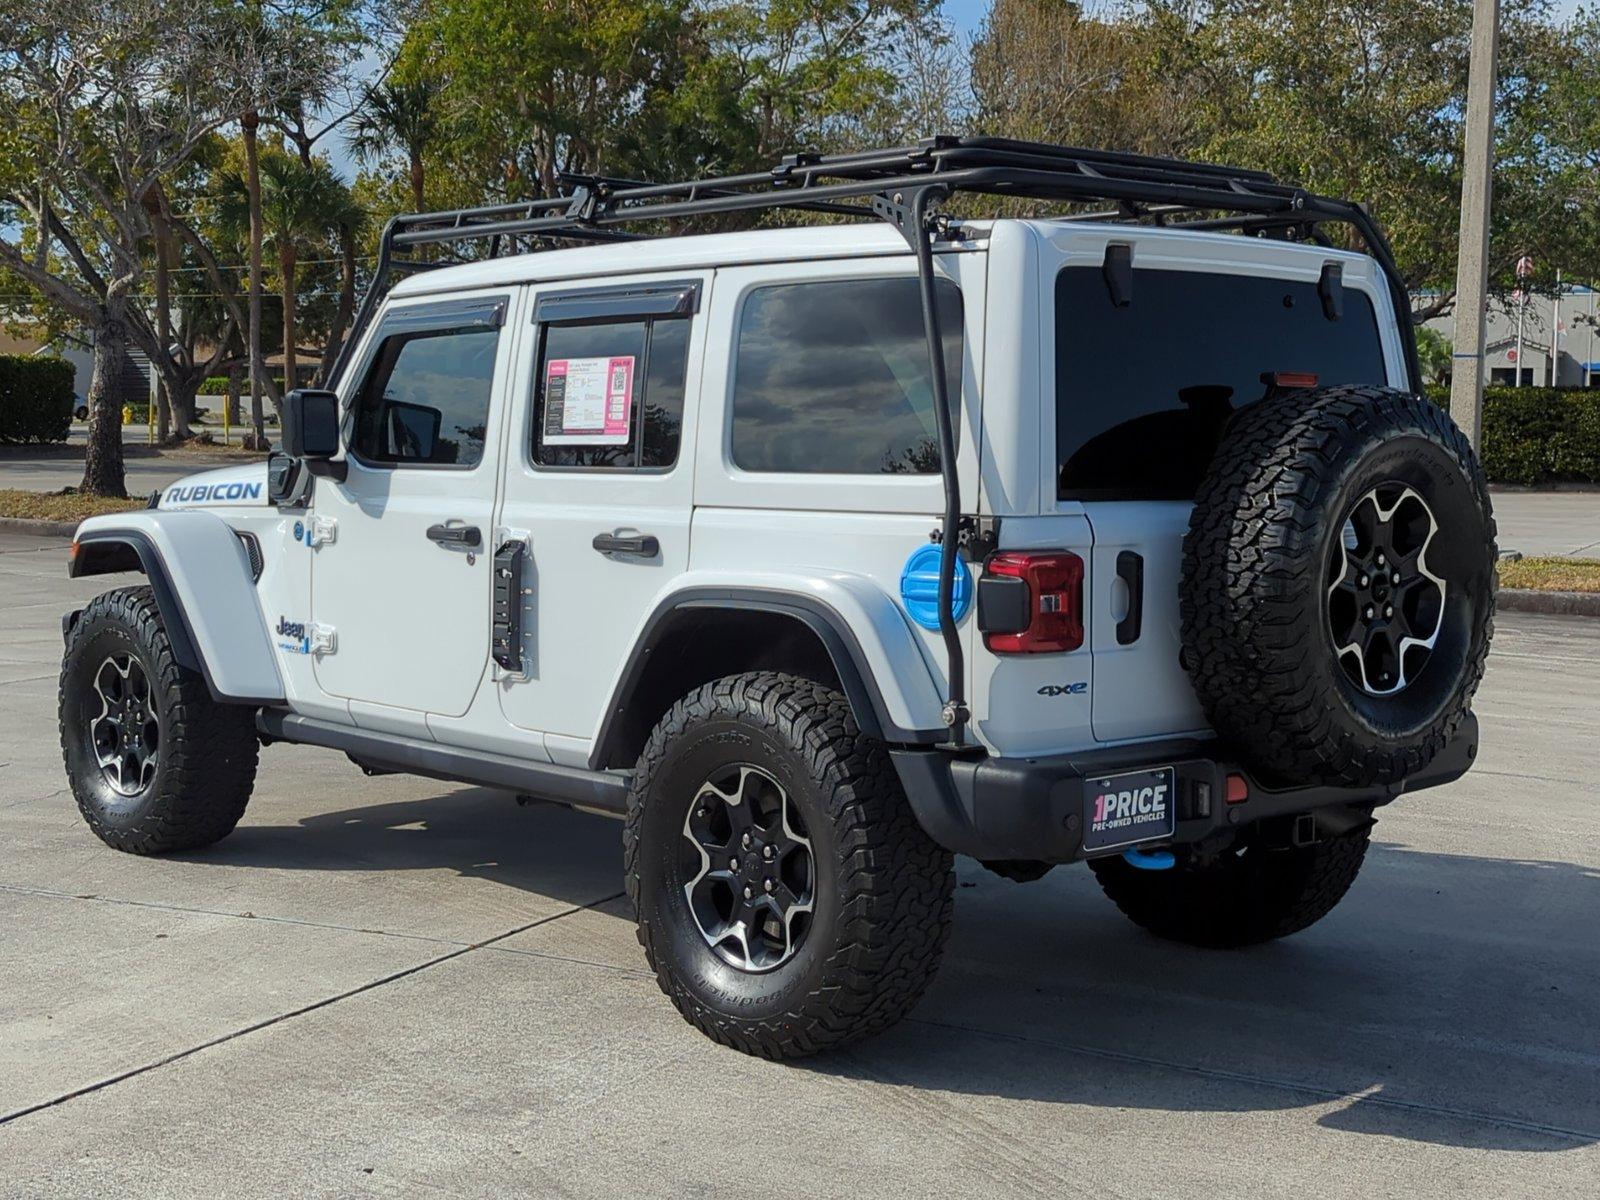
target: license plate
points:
(1119, 810)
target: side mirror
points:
(311, 424)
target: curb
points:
(38, 528)
(1566, 604)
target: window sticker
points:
(588, 401)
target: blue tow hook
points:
(1150, 860)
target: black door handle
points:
(642, 544)
(1130, 569)
(455, 535)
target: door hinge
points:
(510, 595)
(321, 530)
(324, 639)
(978, 536)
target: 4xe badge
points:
(1065, 689)
(1120, 810)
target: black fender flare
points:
(866, 699)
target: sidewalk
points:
(51, 468)
(1540, 524)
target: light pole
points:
(1472, 263)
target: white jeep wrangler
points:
(823, 553)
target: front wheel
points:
(785, 895)
(155, 763)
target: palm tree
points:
(346, 219)
(399, 118)
(298, 204)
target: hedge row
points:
(1539, 435)
(35, 398)
(217, 385)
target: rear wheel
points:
(785, 895)
(154, 763)
(1253, 892)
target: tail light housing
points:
(1031, 602)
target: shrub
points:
(1538, 435)
(217, 385)
(35, 398)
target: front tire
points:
(785, 895)
(155, 764)
(1253, 892)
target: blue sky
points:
(966, 14)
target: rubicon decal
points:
(1123, 809)
(212, 493)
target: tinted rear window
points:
(833, 377)
(1142, 392)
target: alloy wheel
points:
(1385, 607)
(753, 873)
(126, 732)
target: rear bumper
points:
(1033, 808)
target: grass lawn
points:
(57, 506)
(1552, 574)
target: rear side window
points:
(833, 377)
(610, 395)
(1142, 392)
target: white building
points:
(1574, 316)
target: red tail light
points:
(1052, 607)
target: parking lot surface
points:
(145, 470)
(393, 986)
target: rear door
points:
(599, 484)
(1143, 391)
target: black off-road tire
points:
(1249, 895)
(883, 891)
(206, 764)
(1263, 545)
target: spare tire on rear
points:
(1338, 585)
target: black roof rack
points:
(902, 185)
(596, 209)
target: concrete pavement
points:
(1549, 523)
(397, 987)
(145, 469)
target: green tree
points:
(95, 123)
(1433, 353)
(1050, 71)
(654, 89)
(1365, 99)
(301, 206)
(400, 118)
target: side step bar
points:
(606, 791)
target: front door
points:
(599, 482)
(400, 581)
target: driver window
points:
(425, 399)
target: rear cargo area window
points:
(1142, 391)
(833, 377)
